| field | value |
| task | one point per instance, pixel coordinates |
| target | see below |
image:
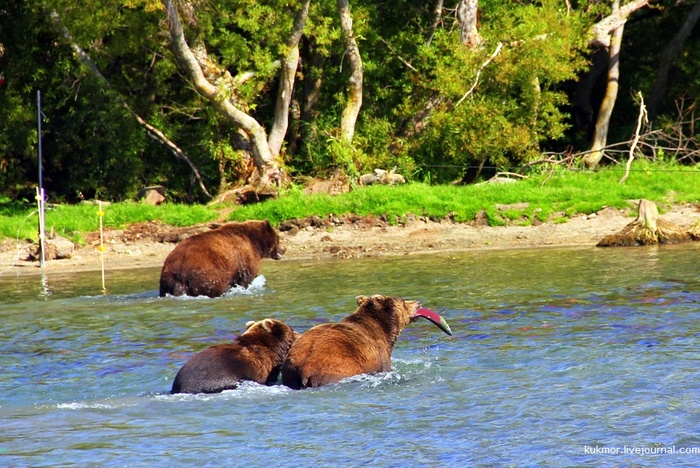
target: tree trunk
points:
(313, 81)
(583, 112)
(287, 75)
(436, 21)
(606, 107)
(268, 168)
(667, 58)
(467, 15)
(354, 99)
(602, 31)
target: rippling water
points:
(558, 356)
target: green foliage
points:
(503, 116)
(419, 111)
(342, 155)
(93, 147)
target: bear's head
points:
(269, 240)
(273, 333)
(394, 313)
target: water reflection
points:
(45, 291)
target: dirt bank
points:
(147, 244)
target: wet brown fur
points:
(360, 343)
(209, 263)
(256, 355)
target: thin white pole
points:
(40, 198)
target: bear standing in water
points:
(256, 355)
(360, 343)
(209, 263)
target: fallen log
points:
(647, 229)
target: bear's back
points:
(329, 353)
(209, 263)
(212, 370)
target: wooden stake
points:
(101, 215)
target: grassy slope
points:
(547, 197)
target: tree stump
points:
(647, 229)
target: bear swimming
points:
(209, 263)
(256, 355)
(358, 344)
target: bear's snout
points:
(279, 251)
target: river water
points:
(560, 357)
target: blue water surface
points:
(559, 357)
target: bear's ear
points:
(249, 324)
(363, 300)
(377, 300)
(267, 325)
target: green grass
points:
(20, 221)
(554, 198)
(545, 197)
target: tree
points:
(220, 96)
(290, 60)
(608, 33)
(606, 107)
(89, 149)
(466, 13)
(437, 90)
(493, 105)
(601, 32)
(354, 96)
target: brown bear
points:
(256, 355)
(360, 343)
(209, 263)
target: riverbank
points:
(146, 245)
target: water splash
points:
(256, 286)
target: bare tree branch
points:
(401, 59)
(478, 73)
(677, 141)
(150, 129)
(642, 119)
(436, 21)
